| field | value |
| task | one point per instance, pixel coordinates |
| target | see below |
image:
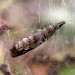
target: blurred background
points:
(26, 17)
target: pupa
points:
(31, 42)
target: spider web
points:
(63, 4)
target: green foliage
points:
(68, 69)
